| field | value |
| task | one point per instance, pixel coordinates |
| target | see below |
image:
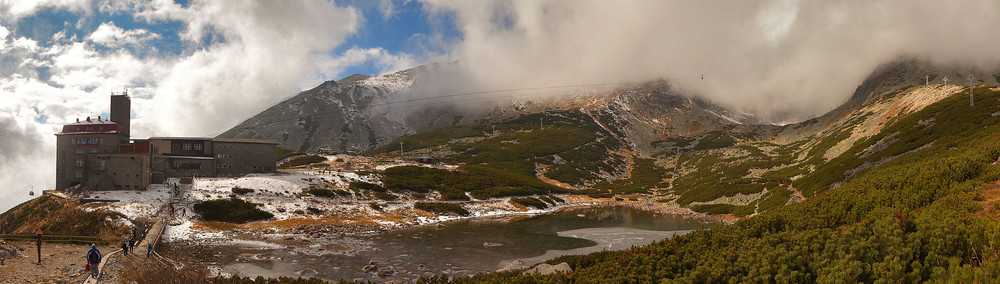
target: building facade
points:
(99, 154)
(77, 145)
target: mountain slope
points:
(332, 115)
(363, 112)
(929, 214)
(689, 152)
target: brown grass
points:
(991, 203)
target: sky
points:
(199, 67)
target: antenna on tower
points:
(927, 79)
(945, 80)
(971, 101)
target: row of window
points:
(221, 156)
(89, 128)
(196, 146)
(92, 141)
(92, 151)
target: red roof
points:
(92, 126)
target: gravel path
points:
(61, 263)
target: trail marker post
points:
(39, 244)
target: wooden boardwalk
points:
(152, 237)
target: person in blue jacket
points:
(94, 259)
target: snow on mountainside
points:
(363, 112)
(333, 115)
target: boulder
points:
(385, 271)
(492, 245)
(545, 269)
(378, 260)
(369, 268)
(306, 271)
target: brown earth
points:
(61, 263)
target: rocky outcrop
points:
(545, 269)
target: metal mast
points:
(971, 101)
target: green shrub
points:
(557, 199)
(305, 160)
(231, 211)
(530, 202)
(323, 192)
(285, 153)
(385, 196)
(714, 140)
(453, 194)
(241, 191)
(437, 207)
(360, 185)
(546, 199)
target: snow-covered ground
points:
(282, 194)
(133, 204)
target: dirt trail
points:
(61, 263)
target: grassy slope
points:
(60, 217)
(582, 146)
(913, 218)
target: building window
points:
(78, 175)
(79, 163)
(79, 151)
(93, 151)
(187, 147)
(197, 147)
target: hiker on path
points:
(149, 248)
(124, 247)
(93, 258)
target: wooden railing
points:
(53, 238)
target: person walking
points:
(94, 259)
(124, 247)
(149, 248)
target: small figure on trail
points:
(93, 258)
(184, 212)
(124, 247)
(131, 245)
(149, 248)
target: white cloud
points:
(779, 58)
(108, 34)
(238, 58)
(386, 62)
(16, 9)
